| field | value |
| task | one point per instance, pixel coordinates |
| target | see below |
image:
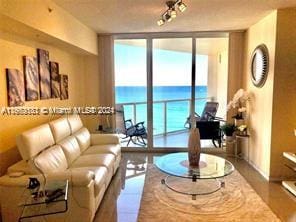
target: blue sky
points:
(170, 68)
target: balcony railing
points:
(134, 109)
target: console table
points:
(241, 137)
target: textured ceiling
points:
(137, 16)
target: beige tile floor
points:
(123, 197)
(177, 140)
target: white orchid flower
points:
(238, 95)
(242, 128)
(229, 106)
(239, 98)
(242, 109)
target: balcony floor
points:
(171, 140)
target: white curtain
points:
(106, 76)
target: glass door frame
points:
(149, 63)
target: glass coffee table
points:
(182, 178)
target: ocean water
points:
(177, 112)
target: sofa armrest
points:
(22, 181)
(81, 196)
(22, 166)
(100, 139)
(76, 177)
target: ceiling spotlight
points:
(181, 6)
(171, 12)
(160, 22)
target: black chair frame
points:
(137, 131)
(208, 124)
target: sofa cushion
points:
(94, 160)
(100, 179)
(83, 138)
(76, 177)
(100, 139)
(100, 176)
(114, 149)
(33, 141)
(71, 149)
(60, 129)
(75, 123)
(51, 160)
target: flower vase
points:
(239, 122)
(242, 133)
(194, 147)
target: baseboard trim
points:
(259, 170)
(270, 178)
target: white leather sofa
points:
(63, 149)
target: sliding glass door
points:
(131, 90)
(171, 91)
(211, 77)
(154, 87)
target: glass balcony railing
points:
(169, 116)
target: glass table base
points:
(193, 187)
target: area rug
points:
(236, 202)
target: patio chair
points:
(210, 130)
(208, 124)
(135, 132)
(208, 114)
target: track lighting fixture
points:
(171, 12)
(168, 17)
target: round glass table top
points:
(210, 166)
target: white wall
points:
(261, 101)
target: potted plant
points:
(228, 129)
(239, 104)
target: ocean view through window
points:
(137, 94)
(172, 84)
(163, 66)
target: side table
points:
(106, 131)
(241, 137)
(40, 206)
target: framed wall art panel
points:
(15, 87)
(31, 78)
(44, 74)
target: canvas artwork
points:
(54, 80)
(31, 78)
(44, 74)
(15, 87)
(64, 87)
